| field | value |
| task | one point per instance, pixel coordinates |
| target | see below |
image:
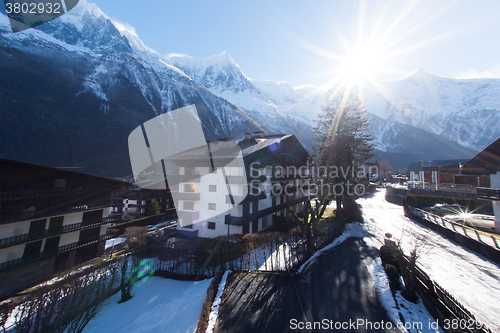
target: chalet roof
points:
(445, 163)
(226, 149)
(415, 167)
(59, 171)
(488, 158)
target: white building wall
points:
(69, 238)
(11, 253)
(495, 183)
(104, 228)
(14, 229)
(73, 218)
(207, 200)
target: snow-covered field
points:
(157, 305)
(471, 278)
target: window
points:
(191, 171)
(188, 205)
(60, 183)
(211, 225)
(212, 206)
(212, 188)
(264, 222)
(189, 188)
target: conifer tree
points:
(340, 144)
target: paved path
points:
(337, 288)
(258, 303)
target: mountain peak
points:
(420, 74)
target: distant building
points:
(209, 207)
(454, 172)
(50, 218)
(133, 203)
(487, 162)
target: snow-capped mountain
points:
(277, 104)
(466, 111)
(73, 89)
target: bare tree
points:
(408, 264)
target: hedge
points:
(421, 201)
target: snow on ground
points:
(157, 305)
(279, 260)
(114, 241)
(471, 278)
(351, 230)
(413, 314)
(214, 311)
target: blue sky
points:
(302, 42)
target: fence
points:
(469, 232)
(202, 258)
(441, 304)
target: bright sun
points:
(361, 64)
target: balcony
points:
(188, 178)
(24, 216)
(188, 196)
(242, 179)
(61, 249)
(25, 238)
(262, 179)
(488, 193)
(237, 199)
(51, 192)
(234, 220)
(136, 205)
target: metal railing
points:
(24, 216)
(488, 193)
(49, 192)
(45, 254)
(470, 232)
(24, 238)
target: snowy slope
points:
(466, 111)
(82, 83)
(263, 100)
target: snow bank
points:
(350, 230)
(157, 305)
(114, 241)
(472, 279)
(214, 311)
(413, 314)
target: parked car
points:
(447, 209)
(478, 221)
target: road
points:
(469, 277)
(338, 287)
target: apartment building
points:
(237, 192)
(133, 203)
(50, 219)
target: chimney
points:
(422, 162)
(259, 134)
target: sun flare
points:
(361, 64)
